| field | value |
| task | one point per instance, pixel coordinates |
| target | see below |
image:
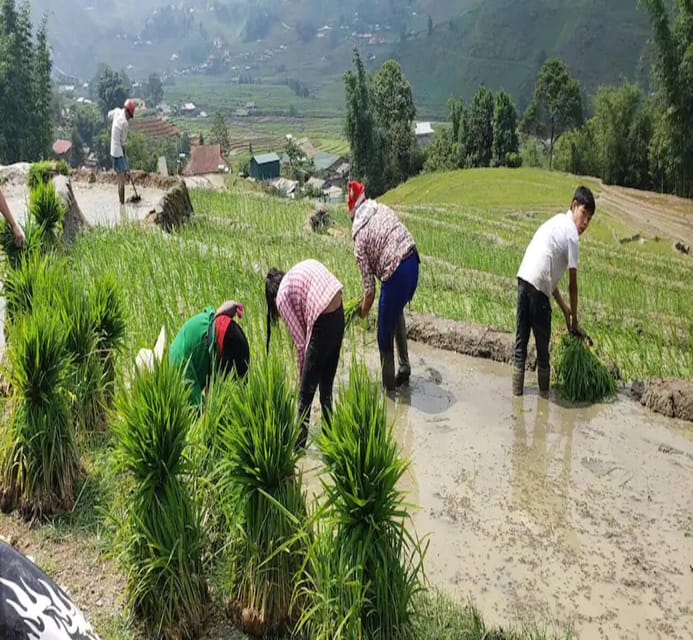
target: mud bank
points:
(672, 398)
(548, 513)
(465, 338)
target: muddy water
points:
(577, 517)
(98, 202)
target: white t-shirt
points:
(119, 131)
(553, 249)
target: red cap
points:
(355, 193)
(130, 107)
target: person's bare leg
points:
(121, 187)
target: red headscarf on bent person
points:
(356, 194)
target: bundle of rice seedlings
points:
(47, 209)
(262, 497)
(39, 461)
(35, 278)
(372, 538)
(580, 374)
(108, 310)
(72, 307)
(13, 253)
(351, 310)
(43, 172)
(159, 536)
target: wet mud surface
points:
(576, 517)
(98, 202)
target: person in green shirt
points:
(210, 338)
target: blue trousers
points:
(395, 293)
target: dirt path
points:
(548, 513)
(654, 214)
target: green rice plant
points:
(73, 309)
(34, 279)
(369, 514)
(159, 537)
(43, 172)
(329, 590)
(351, 310)
(13, 253)
(263, 499)
(47, 209)
(580, 374)
(39, 461)
(108, 309)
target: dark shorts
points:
(120, 164)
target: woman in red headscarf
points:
(384, 249)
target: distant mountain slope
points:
(502, 43)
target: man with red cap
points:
(210, 340)
(119, 133)
(384, 249)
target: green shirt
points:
(192, 351)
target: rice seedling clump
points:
(373, 546)
(264, 499)
(351, 310)
(580, 374)
(160, 537)
(39, 461)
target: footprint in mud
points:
(434, 375)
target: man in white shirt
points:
(119, 133)
(553, 249)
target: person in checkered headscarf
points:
(384, 249)
(308, 298)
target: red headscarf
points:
(356, 193)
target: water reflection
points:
(541, 462)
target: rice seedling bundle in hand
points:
(39, 461)
(263, 498)
(352, 309)
(35, 279)
(580, 374)
(13, 253)
(48, 210)
(160, 538)
(368, 511)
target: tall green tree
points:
(394, 113)
(219, 133)
(673, 76)
(41, 134)
(479, 138)
(456, 111)
(77, 155)
(440, 154)
(154, 90)
(505, 140)
(622, 132)
(112, 89)
(359, 129)
(556, 105)
(25, 88)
